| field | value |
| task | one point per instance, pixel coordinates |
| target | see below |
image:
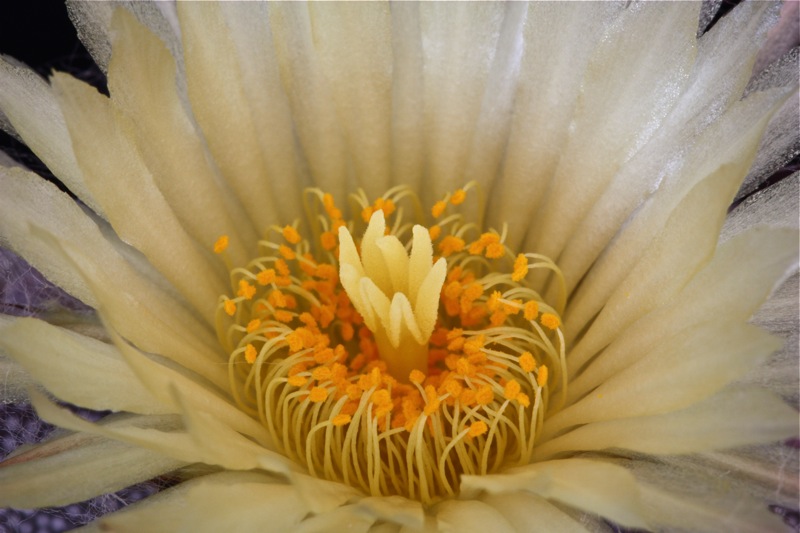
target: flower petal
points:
(29, 104)
(216, 502)
(66, 362)
(687, 242)
(526, 511)
(76, 467)
(731, 287)
(731, 418)
(141, 80)
(592, 486)
(686, 368)
(471, 516)
(100, 142)
(733, 139)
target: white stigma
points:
(397, 294)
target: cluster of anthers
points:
(374, 363)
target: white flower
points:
(541, 394)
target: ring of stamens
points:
(305, 363)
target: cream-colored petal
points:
(268, 104)
(16, 380)
(719, 74)
(73, 468)
(780, 317)
(697, 493)
(30, 106)
(528, 512)
(558, 39)
(27, 199)
(55, 235)
(77, 369)
(733, 138)
(141, 81)
(220, 106)
(740, 277)
(394, 509)
(684, 369)
(676, 510)
(459, 47)
(320, 495)
(216, 502)
(101, 143)
(731, 418)
(353, 45)
(592, 486)
(160, 380)
(205, 440)
(310, 97)
(346, 518)
(470, 516)
(686, 243)
(625, 99)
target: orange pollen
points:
(221, 245)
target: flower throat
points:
(390, 356)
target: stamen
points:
(372, 364)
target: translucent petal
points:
(526, 511)
(471, 516)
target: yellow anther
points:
(458, 197)
(221, 245)
(520, 268)
(323, 356)
(512, 390)
(434, 232)
(477, 429)
(297, 381)
(450, 245)
(416, 376)
(381, 397)
(454, 388)
(291, 234)
(388, 207)
(277, 299)
(318, 394)
(250, 354)
(541, 379)
(328, 240)
(282, 267)
(295, 341)
(283, 316)
(366, 213)
(527, 362)
(286, 252)
(523, 399)
(494, 301)
(495, 250)
(484, 395)
(452, 290)
(230, 307)
(246, 290)
(531, 310)
(438, 208)
(457, 344)
(325, 271)
(474, 344)
(341, 420)
(550, 320)
(322, 373)
(497, 318)
(253, 325)
(265, 277)
(464, 367)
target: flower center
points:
(373, 363)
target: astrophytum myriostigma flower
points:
(405, 267)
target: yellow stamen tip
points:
(297, 381)
(341, 420)
(527, 362)
(438, 209)
(291, 234)
(416, 376)
(458, 197)
(477, 429)
(520, 268)
(230, 307)
(550, 321)
(541, 379)
(512, 390)
(318, 394)
(221, 245)
(250, 354)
